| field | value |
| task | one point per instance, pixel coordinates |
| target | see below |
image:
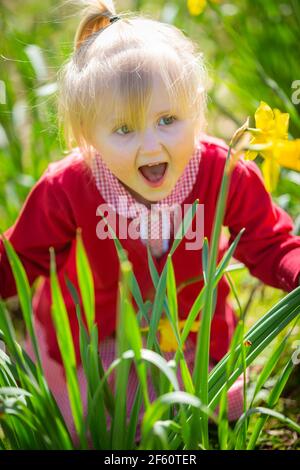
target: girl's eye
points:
(124, 129)
(168, 120)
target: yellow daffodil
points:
(270, 140)
(196, 7)
(168, 342)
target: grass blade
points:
(65, 341)
(86, 282)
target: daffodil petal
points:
(281, 124)
(168, 342)
(270, 170)
(195, 326)
(264, 117)
(196, 7)
(249, 155)
(287, 154)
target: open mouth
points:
(154, 173)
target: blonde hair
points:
(117, 63)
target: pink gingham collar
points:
(115, 194)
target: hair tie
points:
(112, 19)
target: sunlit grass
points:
(30, 141)
(177, 418)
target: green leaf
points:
(271, 402)
(269, 412)
(205, 259)
(24, 294)
(86, 281)
(66, 346)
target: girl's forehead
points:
(119, 104)
(117, 115)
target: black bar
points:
(132, 459)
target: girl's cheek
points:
(125, 146)
(186, 137)
(180, 131)
(123, 162)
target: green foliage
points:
(252, 51)
(175, 419)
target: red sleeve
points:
(46, 219)
(267, 246)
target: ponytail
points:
(97, 15)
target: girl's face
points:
(165, 139)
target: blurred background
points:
(251, 49)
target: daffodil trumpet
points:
(270, 140)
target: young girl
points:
(132, 98)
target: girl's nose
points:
(150, 144)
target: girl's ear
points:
(198, 131)
(197, 136)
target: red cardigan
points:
(66, 197)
